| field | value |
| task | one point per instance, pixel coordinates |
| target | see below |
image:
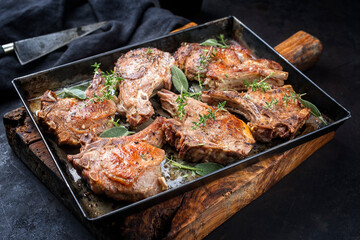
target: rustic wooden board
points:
(194, 214)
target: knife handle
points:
(6, 48)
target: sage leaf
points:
(203, 169)
(313, 109)
(115, 132)
(210, 42)
(216, 43)
(179, 79)
(81, 87)
(75, 92)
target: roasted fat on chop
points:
(144, 71)
(124, 168)
(271, 114)
(222, 140)
(69, 118)
(226, 68)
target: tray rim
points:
(201, 180)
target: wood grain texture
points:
(208, 207)
(192, 215)
(189, 25)
(301, 49)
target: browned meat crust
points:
(69, 118)
(222, 140)
(124, 168)
(144, 71)
(226, 68)
(269, 114)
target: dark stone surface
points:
(28, 209)
(318, 200)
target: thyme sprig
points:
(205, 58)
(115, 123)
(182, 102)
(223, 41)
(96, 67)
(292, 97)
(110, 85)
(219, 42)
(179, 165)
(271, 105)
(111, 82)
(181, 84)
(264, 86)
(211, 115)
(207, 54)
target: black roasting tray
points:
(95, 207)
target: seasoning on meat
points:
(69, 118)
(145, 71)
(226, 68)
(271, 114)
(124, 168)
(221, 140)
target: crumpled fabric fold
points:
(129, 22)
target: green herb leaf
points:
(115, 123)
(81, 87)
(223, 41)
(264, 86)
(313, 109)
(203, 169)
(75, 92)
(271, 105)
(221, 106)
(210, 42)
(96, 67)
(182, 166)
(110, 88)
(115, 132)
(179, 79)
(210, 115)
(216, 43)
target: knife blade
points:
(30, 49)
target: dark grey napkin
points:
(130, 22)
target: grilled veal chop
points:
(69, 118)
(221, 140)
(271, 114)
(144, 71)
(226, 68)
(124, 168)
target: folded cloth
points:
(129, 22)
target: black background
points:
(318, 200)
